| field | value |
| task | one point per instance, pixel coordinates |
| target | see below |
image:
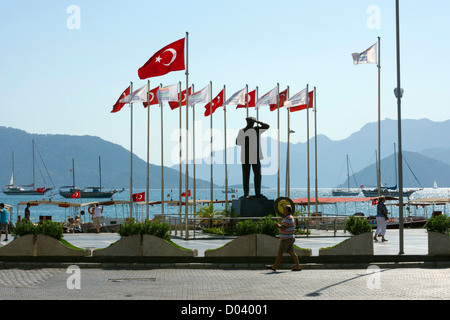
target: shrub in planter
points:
(439, 224)
(356, 225)
(51, 229)
(23, 228)
(154, 228)
(262, 226)
(47, 228)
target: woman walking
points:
(382, 217)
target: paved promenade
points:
(190, 284)
(207, 284)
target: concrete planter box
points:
(438, 244)
(143, 246)
(360, 245)
(40, 245)
(253, 245)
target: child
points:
(287, 239)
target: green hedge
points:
(440, 224)
(46, 228)
(263, 226)
(154, 228)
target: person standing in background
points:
(3, 221)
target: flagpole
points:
(225, 149)
(307, 143)
(148, 145)
(180, 184)
(194, 187)
(246, 99)
(278, 140)
(288, 162)
(315, 150)
(379, 118)
(187, 136)
(257, 109)
(131, 156)
(211, 140)
(398, 94)
(162, 156)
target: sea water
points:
(140, 211)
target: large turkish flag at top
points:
(168, 59)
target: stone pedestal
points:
(254, 207)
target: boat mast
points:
(395, 166)
(73, 172)
(12, 176)
(348, 177)
(100, 172)
(34, 179)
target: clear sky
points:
(56, 79)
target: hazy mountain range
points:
(426, 153)
(426, 150)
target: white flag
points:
(139, 95)
(201, 96)
(237, 98)
(269, 98)
(169, 93)
(368, 56)
(297, 100)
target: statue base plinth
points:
(253, 207)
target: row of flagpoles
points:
(171, 58)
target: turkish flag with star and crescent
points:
(282, 96)
(137, 197)
(119, 105)
(175, 104)
(168, 59)
(216, 103)
(251, 100)
(76, 194)
(152, 97)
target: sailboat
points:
(345, 192)
(30, 189)
(87, 192)
(391, 191)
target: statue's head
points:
(250, 121)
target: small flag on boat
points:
(184, 193)
(138, 197)
(76, 194)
